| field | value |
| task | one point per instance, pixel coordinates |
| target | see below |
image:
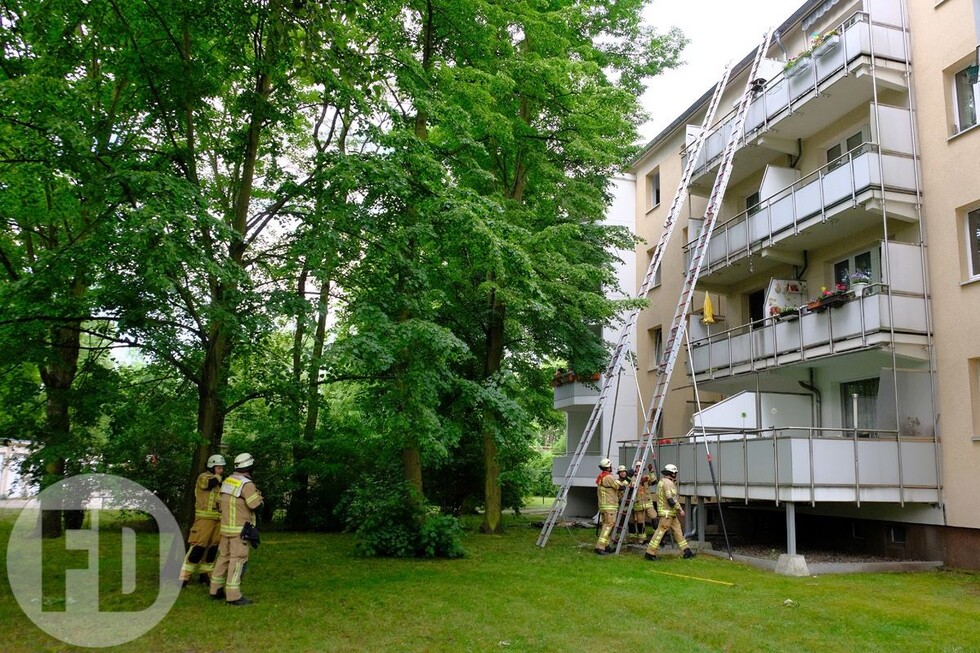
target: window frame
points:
(847, 419)
(654, 192)
(863, 133)
(971, 239)
(656, 336)
(974, 89)
(873, 269)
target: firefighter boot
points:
(649, 556)
(688, 553)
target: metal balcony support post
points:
(857, 462)
(775, 464)
(790, 528)
(745, 466)
(813, 496)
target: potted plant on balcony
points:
(821, 44)
(778, 313)
(798, 64)
(860, 280)
(828, 298)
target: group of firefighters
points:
(611, 488)
(224, 527)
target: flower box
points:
(798, 66)
(826, 44)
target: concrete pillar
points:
(790, 527)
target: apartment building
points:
(837, 386)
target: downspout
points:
(818, 397)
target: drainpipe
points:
(818, 405)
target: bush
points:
(392, 519)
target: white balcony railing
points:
(858, 323)
(806, 464)
(855, 39)
(843, 183)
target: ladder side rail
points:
(678, 325)
(558, 506)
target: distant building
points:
(13, 485)
(577, 397)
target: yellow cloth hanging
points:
(709, 312)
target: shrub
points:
(390, 518)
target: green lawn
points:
(509, 595)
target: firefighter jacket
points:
(667, 490)
(207, 502)
(644, 499)
(239, 500)
(608, 491)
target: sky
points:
(718, 31)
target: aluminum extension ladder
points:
(679, 325)
(609, 378)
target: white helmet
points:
(637, 463)
(605, 463)
(670, 468)
(244, 461)
(217, 460)
(622, 468)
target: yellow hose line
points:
(707, 580)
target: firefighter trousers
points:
(228, 571)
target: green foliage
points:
(390, 519)
(441, 537)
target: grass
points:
(507, 594)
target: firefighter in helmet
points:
(643, 512)
(668, 508)
(202, 542)
(608, 488)
(239, 501)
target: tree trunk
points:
(412, 464)
(491, 483)
(297, 514)
(58, 376)
(210, 415)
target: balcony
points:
(874, 321)
(867, 54)
(807, 464)
(574, 394)
(832, 203)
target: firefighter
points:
(608, 488)
(202, 542)
(668, 508)
(239, 500)
(643, 512)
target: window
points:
(866, 391)
(973, 241)
(965, 90)
(845, 145)
(752, 203)
(896, 534)
(867, 261)
(653, 182)
(657, 276)
(757, 305)
(656, 346)
(974, 367)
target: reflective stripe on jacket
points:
(207, 502)
(667, 490)
(239, 499)
(608, 491)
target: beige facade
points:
(859, 414)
